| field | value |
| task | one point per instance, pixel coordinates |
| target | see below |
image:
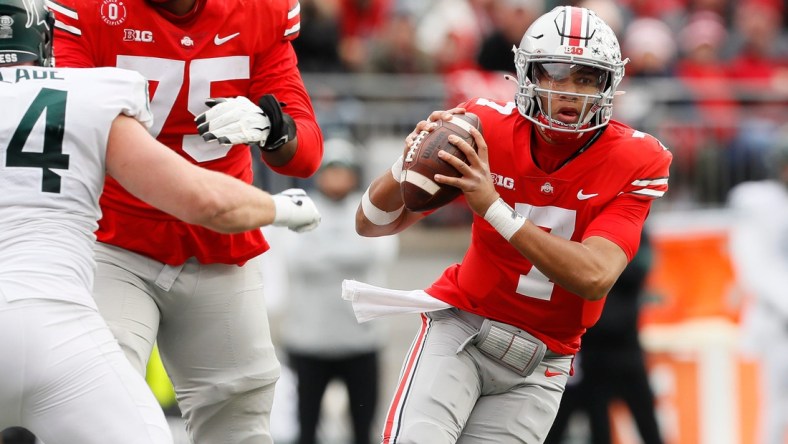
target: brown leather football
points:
(420, 192)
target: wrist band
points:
(396, 169)
(375, 214)
(504, 219)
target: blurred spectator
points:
(651, 48)
(608, 10)
(611, 362)
(450, 31)
(320, 333)
(701, 65)
(703, 134)
(510, 20)
(723, 8)
(669, 11)
(359, 21)
(317, 46)
(758, 48)
(759, 249)
(395, 50)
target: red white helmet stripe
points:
(575, 26)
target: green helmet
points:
(25, 32)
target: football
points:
(421, 162)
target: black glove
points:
(283, 128)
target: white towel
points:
(370, 302)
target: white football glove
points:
(231, 121)
(295, 210)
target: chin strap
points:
(556, 135)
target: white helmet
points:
(560, 42)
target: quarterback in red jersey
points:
(560, 193)
(198, 292)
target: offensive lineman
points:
(196, 292)
(63, 375)
(559, 193)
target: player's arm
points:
(160, 177)
(588, 269)
(289, 139)
(381, 211)
(275, 73)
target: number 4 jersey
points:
(604, 191)
(222, 48)
(53, 140)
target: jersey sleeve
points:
(293, 22)
(621, 223)
(275, 71)
(138, 102)
(126, 91)
(651, 180)
(622, 220)
(70, 45)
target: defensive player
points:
(560, 193)
(62, 374)
(198, 292)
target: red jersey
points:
(223, 48)
(606, 191)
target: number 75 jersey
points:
(53, 141)
(606, 190)
(222, 48)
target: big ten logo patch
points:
(502, 181)
(136, 35)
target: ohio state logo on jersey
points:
(547, 188)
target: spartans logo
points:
(34, 18)
(113, 12)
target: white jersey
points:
(53, 140)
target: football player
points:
(63, 375)
(547, 242)
(196, 291)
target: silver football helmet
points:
(568, 41)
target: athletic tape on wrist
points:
(375, 214)
(504, 219)
(396, 169)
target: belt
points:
(476, 322)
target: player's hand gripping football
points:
(476, 182)
(295, 210)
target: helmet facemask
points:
(580, 64)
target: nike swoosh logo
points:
(550, 374)
(222, 40)
(581, 196)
